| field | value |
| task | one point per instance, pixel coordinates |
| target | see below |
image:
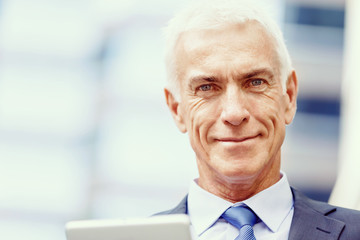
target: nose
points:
(234, 107)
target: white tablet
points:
(164, 227)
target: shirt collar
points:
(272, 205)
(204, 208)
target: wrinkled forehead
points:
(243, 37)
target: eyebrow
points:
(201, 78)
(257, 72)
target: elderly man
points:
(232, 88)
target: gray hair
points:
(214, 14)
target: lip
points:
(236, 139)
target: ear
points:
(175, 110)
(291, 96)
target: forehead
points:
(238, 34)
(234, 46)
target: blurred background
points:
(84, 128)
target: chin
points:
(239, 172)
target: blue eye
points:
(256, 82)
(206, 87)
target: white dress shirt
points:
(274, 206)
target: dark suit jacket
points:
(312, 220)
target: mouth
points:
(236, 139)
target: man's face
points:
(232, 102)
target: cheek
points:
(200, 112)
(201, 116)
(270, 113)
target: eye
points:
(205, 87)
(207, 90)
(256, 82)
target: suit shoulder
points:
(343, 214)
(348, 218)
(351, 218)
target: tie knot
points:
(240, 216)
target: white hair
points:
(214, 14)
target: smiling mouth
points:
(236, 139)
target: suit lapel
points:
(310, 220)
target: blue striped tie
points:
(242, 218)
